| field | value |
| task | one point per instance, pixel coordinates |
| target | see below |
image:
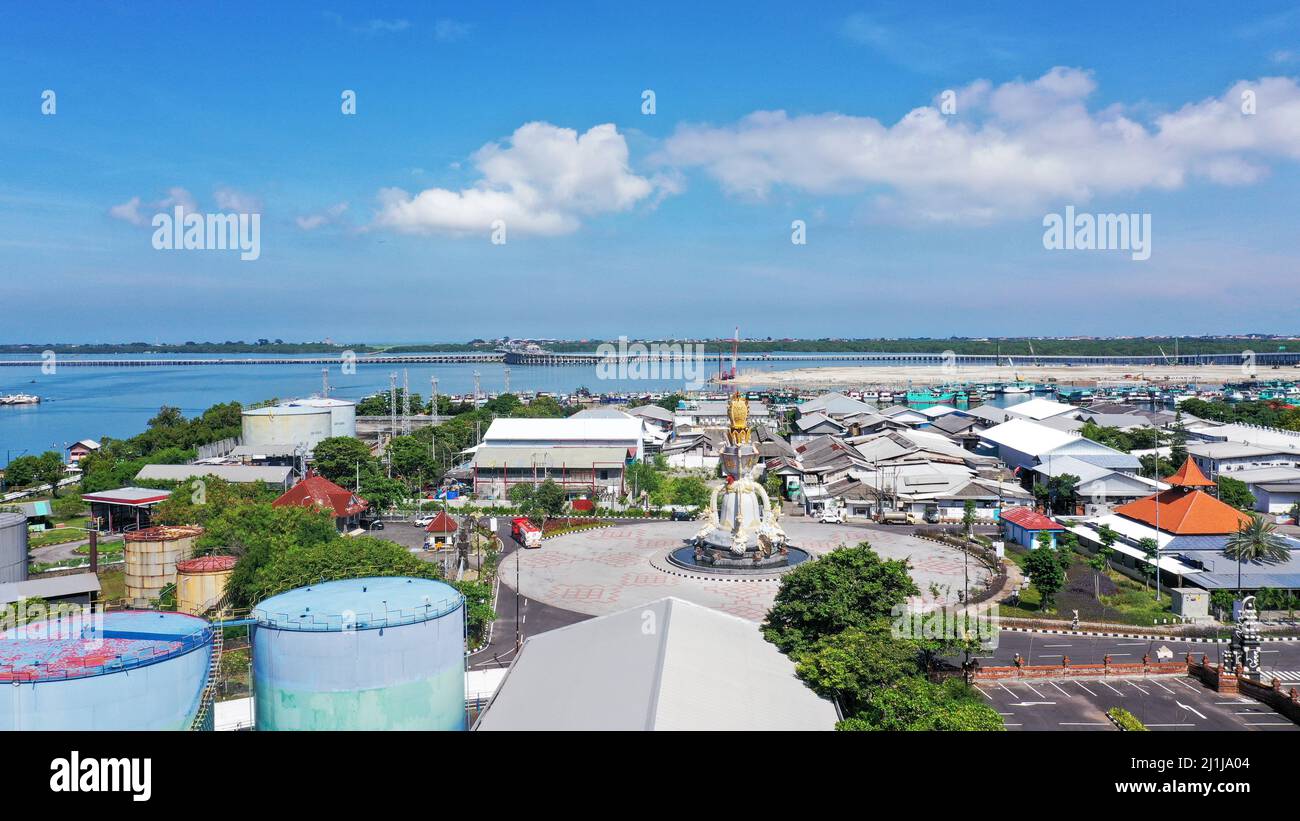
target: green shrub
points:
(1125, 720)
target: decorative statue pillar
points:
(740, 527)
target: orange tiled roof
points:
(317, 491)
(1189, 475)
(1186, 513)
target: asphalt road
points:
(1280, 659)
(1161, 703)
(518, 617)
(533, 616)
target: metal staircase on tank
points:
(203, 719)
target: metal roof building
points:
(268, 474)
(668, 665)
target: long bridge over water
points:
(547, 359)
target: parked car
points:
(833, 516)
(682, 515)
(372, 524)
(424, 520)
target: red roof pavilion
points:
(1189, 475)
(442, 523)
(319, 492)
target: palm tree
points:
(1257, 541)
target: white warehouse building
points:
(587, 456)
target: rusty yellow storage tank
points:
(201, 582)
(151, 556)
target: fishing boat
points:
(928, 397)
(20, 399)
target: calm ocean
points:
(91, 403)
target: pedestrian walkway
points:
(1285, 676)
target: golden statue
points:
(738, 413)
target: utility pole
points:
(406, 405)
(325, 383)
(392, 403)
(433, 402)
(476, 387)
(507, 373)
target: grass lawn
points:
(112, 584)
(1123, 600)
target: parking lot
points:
(1161, 703)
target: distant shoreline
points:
(924, 375)
(1021, 348)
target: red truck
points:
(525, 532)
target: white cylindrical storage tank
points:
(286, 425)
(13, 547)
(201, 582)
(343, 414)
(150, 557)
(361, 654)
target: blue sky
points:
(376, 226)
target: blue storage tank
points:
(122, 670)
(361, 654)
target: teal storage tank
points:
(361, 654)
(122, 670)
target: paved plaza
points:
(609, 569)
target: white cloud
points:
(543, 181)
(228, 199)
(310, 222)
(372, 26)
(138, 211)
(447, 30)
(1010, 149)
(178, 196)
(130, 211)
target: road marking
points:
(1128, 644)
(1059, 690)
(1034, 689)
(1190, 709)
(1067, 645)
(1119, 654)
(1268, 724)
(1005, 687)
(1283, 675)
(1142, 690)
(1171, 725)
(1004, 724)
(1193, 688)
(1085, 689)
(1158, 684)
(986, 695)
(1050, 656)
(1006, 714)
(1112, 689)
(1031, 703)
